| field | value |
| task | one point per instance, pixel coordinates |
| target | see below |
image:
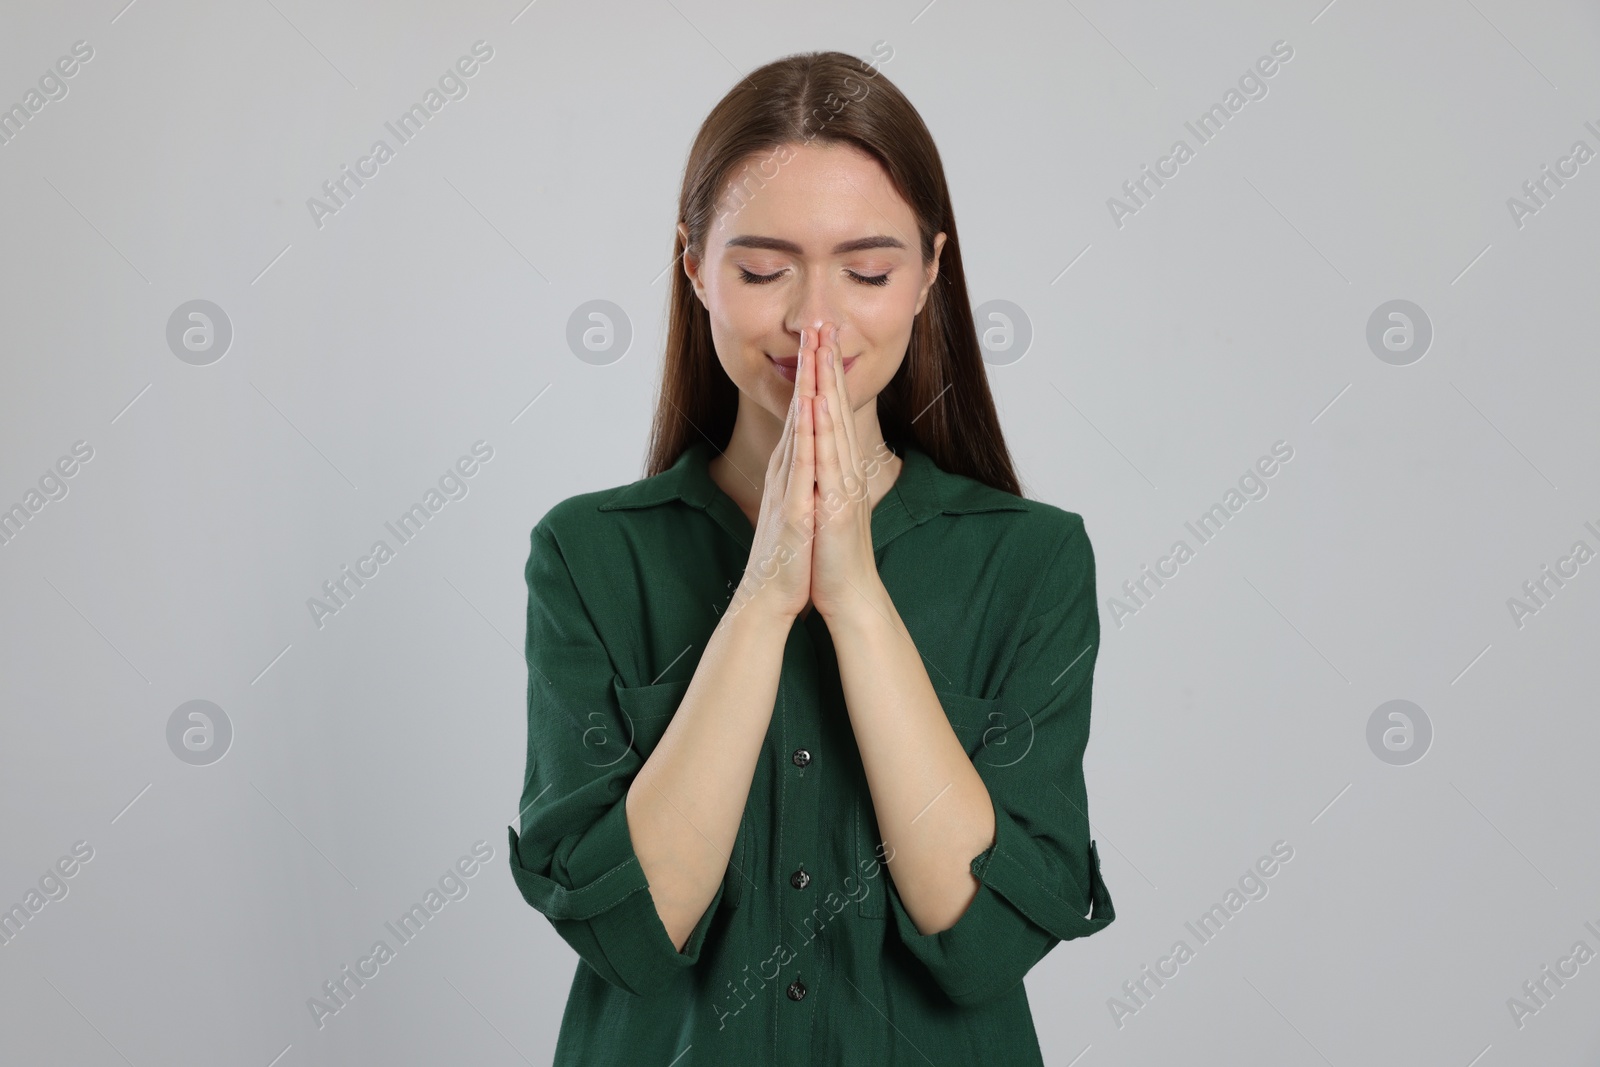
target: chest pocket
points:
(982, 731)
(646, 712)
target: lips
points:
(787, 365)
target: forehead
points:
(816, 195)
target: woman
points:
(807, 705)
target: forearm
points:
(933, 809)
(685, 802)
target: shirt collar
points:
(922, 490)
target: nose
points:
(815, 302)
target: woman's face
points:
(811, 233)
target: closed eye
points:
(763, 279)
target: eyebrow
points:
(778, 244)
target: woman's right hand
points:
(777, 577)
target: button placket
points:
(797, 733)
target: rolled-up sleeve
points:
(1039, 883)
(574, 859)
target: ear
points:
(932, 274)
(691, 265)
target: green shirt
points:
(806, 955)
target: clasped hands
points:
(813, 536)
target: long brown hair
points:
(939, 398)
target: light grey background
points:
(1168, 354)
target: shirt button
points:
(796, 990)
(801, 757)
(800, 879)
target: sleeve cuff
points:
(1013, 921)
(600, 903)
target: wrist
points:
(866, 606)
(757, 611)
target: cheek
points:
(881, 314)
(885, 325)
(736, 313)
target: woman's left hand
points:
(844, 572)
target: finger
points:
(778, 462)
(783, 455)
(805, 473)
(805, 387)
(791, 417)
(791, 429)
(807, 379)
(802, 457)
(830, 484)
(849, 452)
(847, 482)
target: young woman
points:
(807, 705)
